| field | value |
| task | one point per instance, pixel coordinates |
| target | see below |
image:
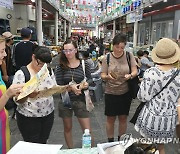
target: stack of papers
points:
(34, 148)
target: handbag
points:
(133, 84)
(89, 104)
(141, 105)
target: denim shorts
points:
(78, 107)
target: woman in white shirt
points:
(35, 114)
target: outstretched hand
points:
(14, 90)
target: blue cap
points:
(26, 32)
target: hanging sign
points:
(134, 16)
(7, 4)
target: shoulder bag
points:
(89, 104)
(132, 83)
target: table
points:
(78, 151)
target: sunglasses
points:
(68, 50)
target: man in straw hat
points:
(157, 119)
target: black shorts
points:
(116, 105)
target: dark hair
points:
(85, 54)
(119, 38)
(107, 49)
(43, 54)
(140, 53)
(63, 60)
(146, 52)
(8, 40)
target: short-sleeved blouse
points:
(38, 106)
(158, 117)
(64, 76)
(120, 67)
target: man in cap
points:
(22, 51)
(7, 67)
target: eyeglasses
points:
(39, 62)
(68, 50)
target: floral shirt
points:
(38, 106)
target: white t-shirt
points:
(36, 107)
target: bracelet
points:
(131, 76)
(178, 105)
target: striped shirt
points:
(64, 76)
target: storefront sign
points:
(134, 16)
(7, 4)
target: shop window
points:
(161, 29)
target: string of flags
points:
(89, 11)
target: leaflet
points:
(33, 84)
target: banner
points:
(7, 4)
(135, 16)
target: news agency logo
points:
(127, 137)
(156, 140)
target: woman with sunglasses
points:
(13, 90)
(70, 71)
(35, 115)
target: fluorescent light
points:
(164, 0)
(33, 0)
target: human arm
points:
(4, 71)
(13, 90)
(178, 110)
(19, 78)
(133, 66)
(105, 75)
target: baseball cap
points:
(7, 35)
(26, 32)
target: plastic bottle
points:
(86, 139)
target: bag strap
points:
(108, 59)
(128, 60)
(26, 73)
(50, 70)
(83, 67)
(170, 80)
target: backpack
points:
(27, 74)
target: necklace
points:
(72, 77)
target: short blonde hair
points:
(2, 39)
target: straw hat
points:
(7, 35)
(166, 52)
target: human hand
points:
(14, 90)
(128, 76)
(83, 85)
(75, 88)
(33, 94)
(5, 78)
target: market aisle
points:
(97, 122)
